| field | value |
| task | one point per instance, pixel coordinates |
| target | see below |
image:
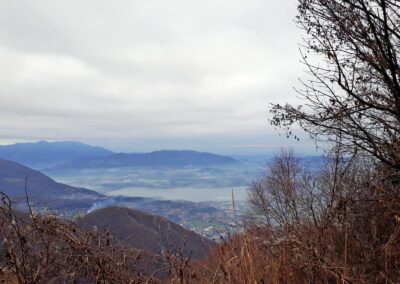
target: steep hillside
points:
(148, 232)
(41, 188)
(46, 154)
(165, 158)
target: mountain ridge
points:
(60, 155)
(161, 158)
(14, 177)
(148, 231)
(45, 154)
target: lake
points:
(212, 183)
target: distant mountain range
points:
(148, 232)
(165, 158)
(75, 155)
(47, 154)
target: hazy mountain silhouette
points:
(149, 232)
(41, 188)
(164, 158)
(45, 154)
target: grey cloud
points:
(154, 71)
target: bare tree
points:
(354, 92)
(337, 224)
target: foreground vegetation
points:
(338, 224)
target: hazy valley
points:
(193, 189)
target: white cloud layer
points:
(147, 74)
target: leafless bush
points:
(338, 224)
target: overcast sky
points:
(151, 74)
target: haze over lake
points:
(198, 184)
